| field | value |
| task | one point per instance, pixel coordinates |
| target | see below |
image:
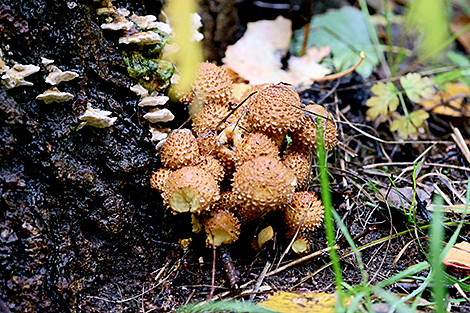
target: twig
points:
(260, 280)
(305, 258)
(213, 270)
(457, 136)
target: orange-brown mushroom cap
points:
(303, 203)
(276, 109)
(190, 189)
(158, 178)
(263, 183)
(180, 149)
(222, 227)
(211, 84)
(254, 145)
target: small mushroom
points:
(277, 110)
(190, 189)
(263, 183)
(180, 149)
(211, 84)
(301, 245)
(264, 236)
(222, 227)
(209, 118)
(214, 167)
(303, 204)
(54, 95)
(298, 161)
(252, 146)
(158, 178)
(15, 76)
(96, 118)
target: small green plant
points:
(383, 106)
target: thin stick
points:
(305, 258)
(343, 73)
(213, 270)
(260, 280)
(457, 136)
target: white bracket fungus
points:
(143, 38)
(54, 95)
(46, 61)
(156, 116)
(153, 101)
(57, 76)
(96, 118)
(140, 91)
(14, 77)
(157, 134)
(119, 23)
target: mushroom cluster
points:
(235, 165)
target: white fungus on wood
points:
(96, 118)
(15, 76)
(156, 116)
(153, 101)
(143, 38)
(57, 76)
(54, 95)
(119, 23)
(140, 91)
(157, 134)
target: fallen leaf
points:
(257, 56)
(346, 32)
(417, 87)
(459, 256)
(302, 302)
(402, 197)
(449, 101)
(385, 100)
(408, 125)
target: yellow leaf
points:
(417, 87)
(385, 100)
(449, 101)
(302, 302)
(408, 125)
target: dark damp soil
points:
(81, 230)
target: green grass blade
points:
(223, 306)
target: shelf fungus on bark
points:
(222, 227)
(96, 118)
(15, 76)
(190, 189)
(180, 149)
(263, 183)
(304, 206)
(54, 95)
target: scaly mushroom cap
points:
(330, 132)
(241, 115)
(190, 189)
(221, 227)
(316, 117)
(211, 84)
(213, 166)
(252, 146)
(297, 208)
(263, 183)
(208, 119)
(180, 149)
(158, 178)
(208, 144)
(276, 110)
(298, 161)
(301, 245)
(228, 139)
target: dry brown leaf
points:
(302, 302)
(459, 256)
(257, 56)
(401, 198)
(459, 22)
(452, 96)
